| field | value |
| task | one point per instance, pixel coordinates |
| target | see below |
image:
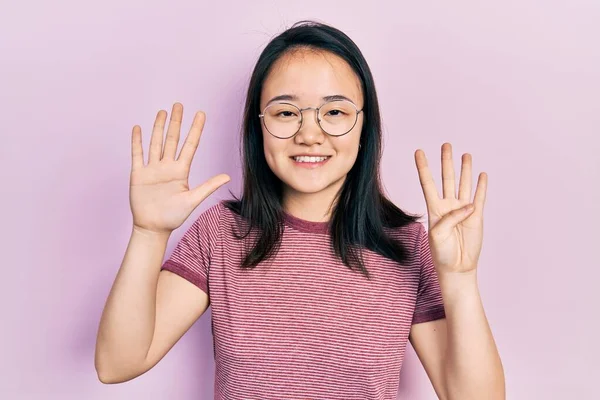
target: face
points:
(309, 78)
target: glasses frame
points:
(301, 110)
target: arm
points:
(459, 353)
(146, 312)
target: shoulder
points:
(409, 234)
(211, 216)
(410, 237)
(219, 218)
(219, 210)
(209, 222)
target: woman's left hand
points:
(455, 232)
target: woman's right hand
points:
(159, 195)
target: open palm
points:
(159, 194)
(455, 231)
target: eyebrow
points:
(291, 97)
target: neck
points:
(314, 207)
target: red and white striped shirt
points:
(302, 325)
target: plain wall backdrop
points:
(515, 83)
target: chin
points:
(306, 186)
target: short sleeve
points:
(191, 257)
(430, 305)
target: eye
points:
(286, 114)
(335, 113)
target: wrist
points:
(150, 234)
(468, 276)
(454, 284)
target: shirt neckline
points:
(304, 225)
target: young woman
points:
(316, 280)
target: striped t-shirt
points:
(302, 325)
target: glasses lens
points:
(282, 120)
(337, 117)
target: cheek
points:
(348, 145)
(348, 151)
(272, 149)
(349, 158)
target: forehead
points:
(311, 75)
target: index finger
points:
(193, 139)
(425, 177)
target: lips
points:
(310, 155)
(310, 162)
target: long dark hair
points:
(361, 211)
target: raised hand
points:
(159, 195)
(455, 224)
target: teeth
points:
(309, 159)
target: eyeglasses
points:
(284, 120)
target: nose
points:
(310, 132)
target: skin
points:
(148, 310)
(310, 76)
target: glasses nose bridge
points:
(318, 120)
(310, 108)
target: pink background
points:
(515, 83)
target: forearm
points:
(473, 369)
(127, 323)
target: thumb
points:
(198, 194)
(455, 217)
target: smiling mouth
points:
(310, 161)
